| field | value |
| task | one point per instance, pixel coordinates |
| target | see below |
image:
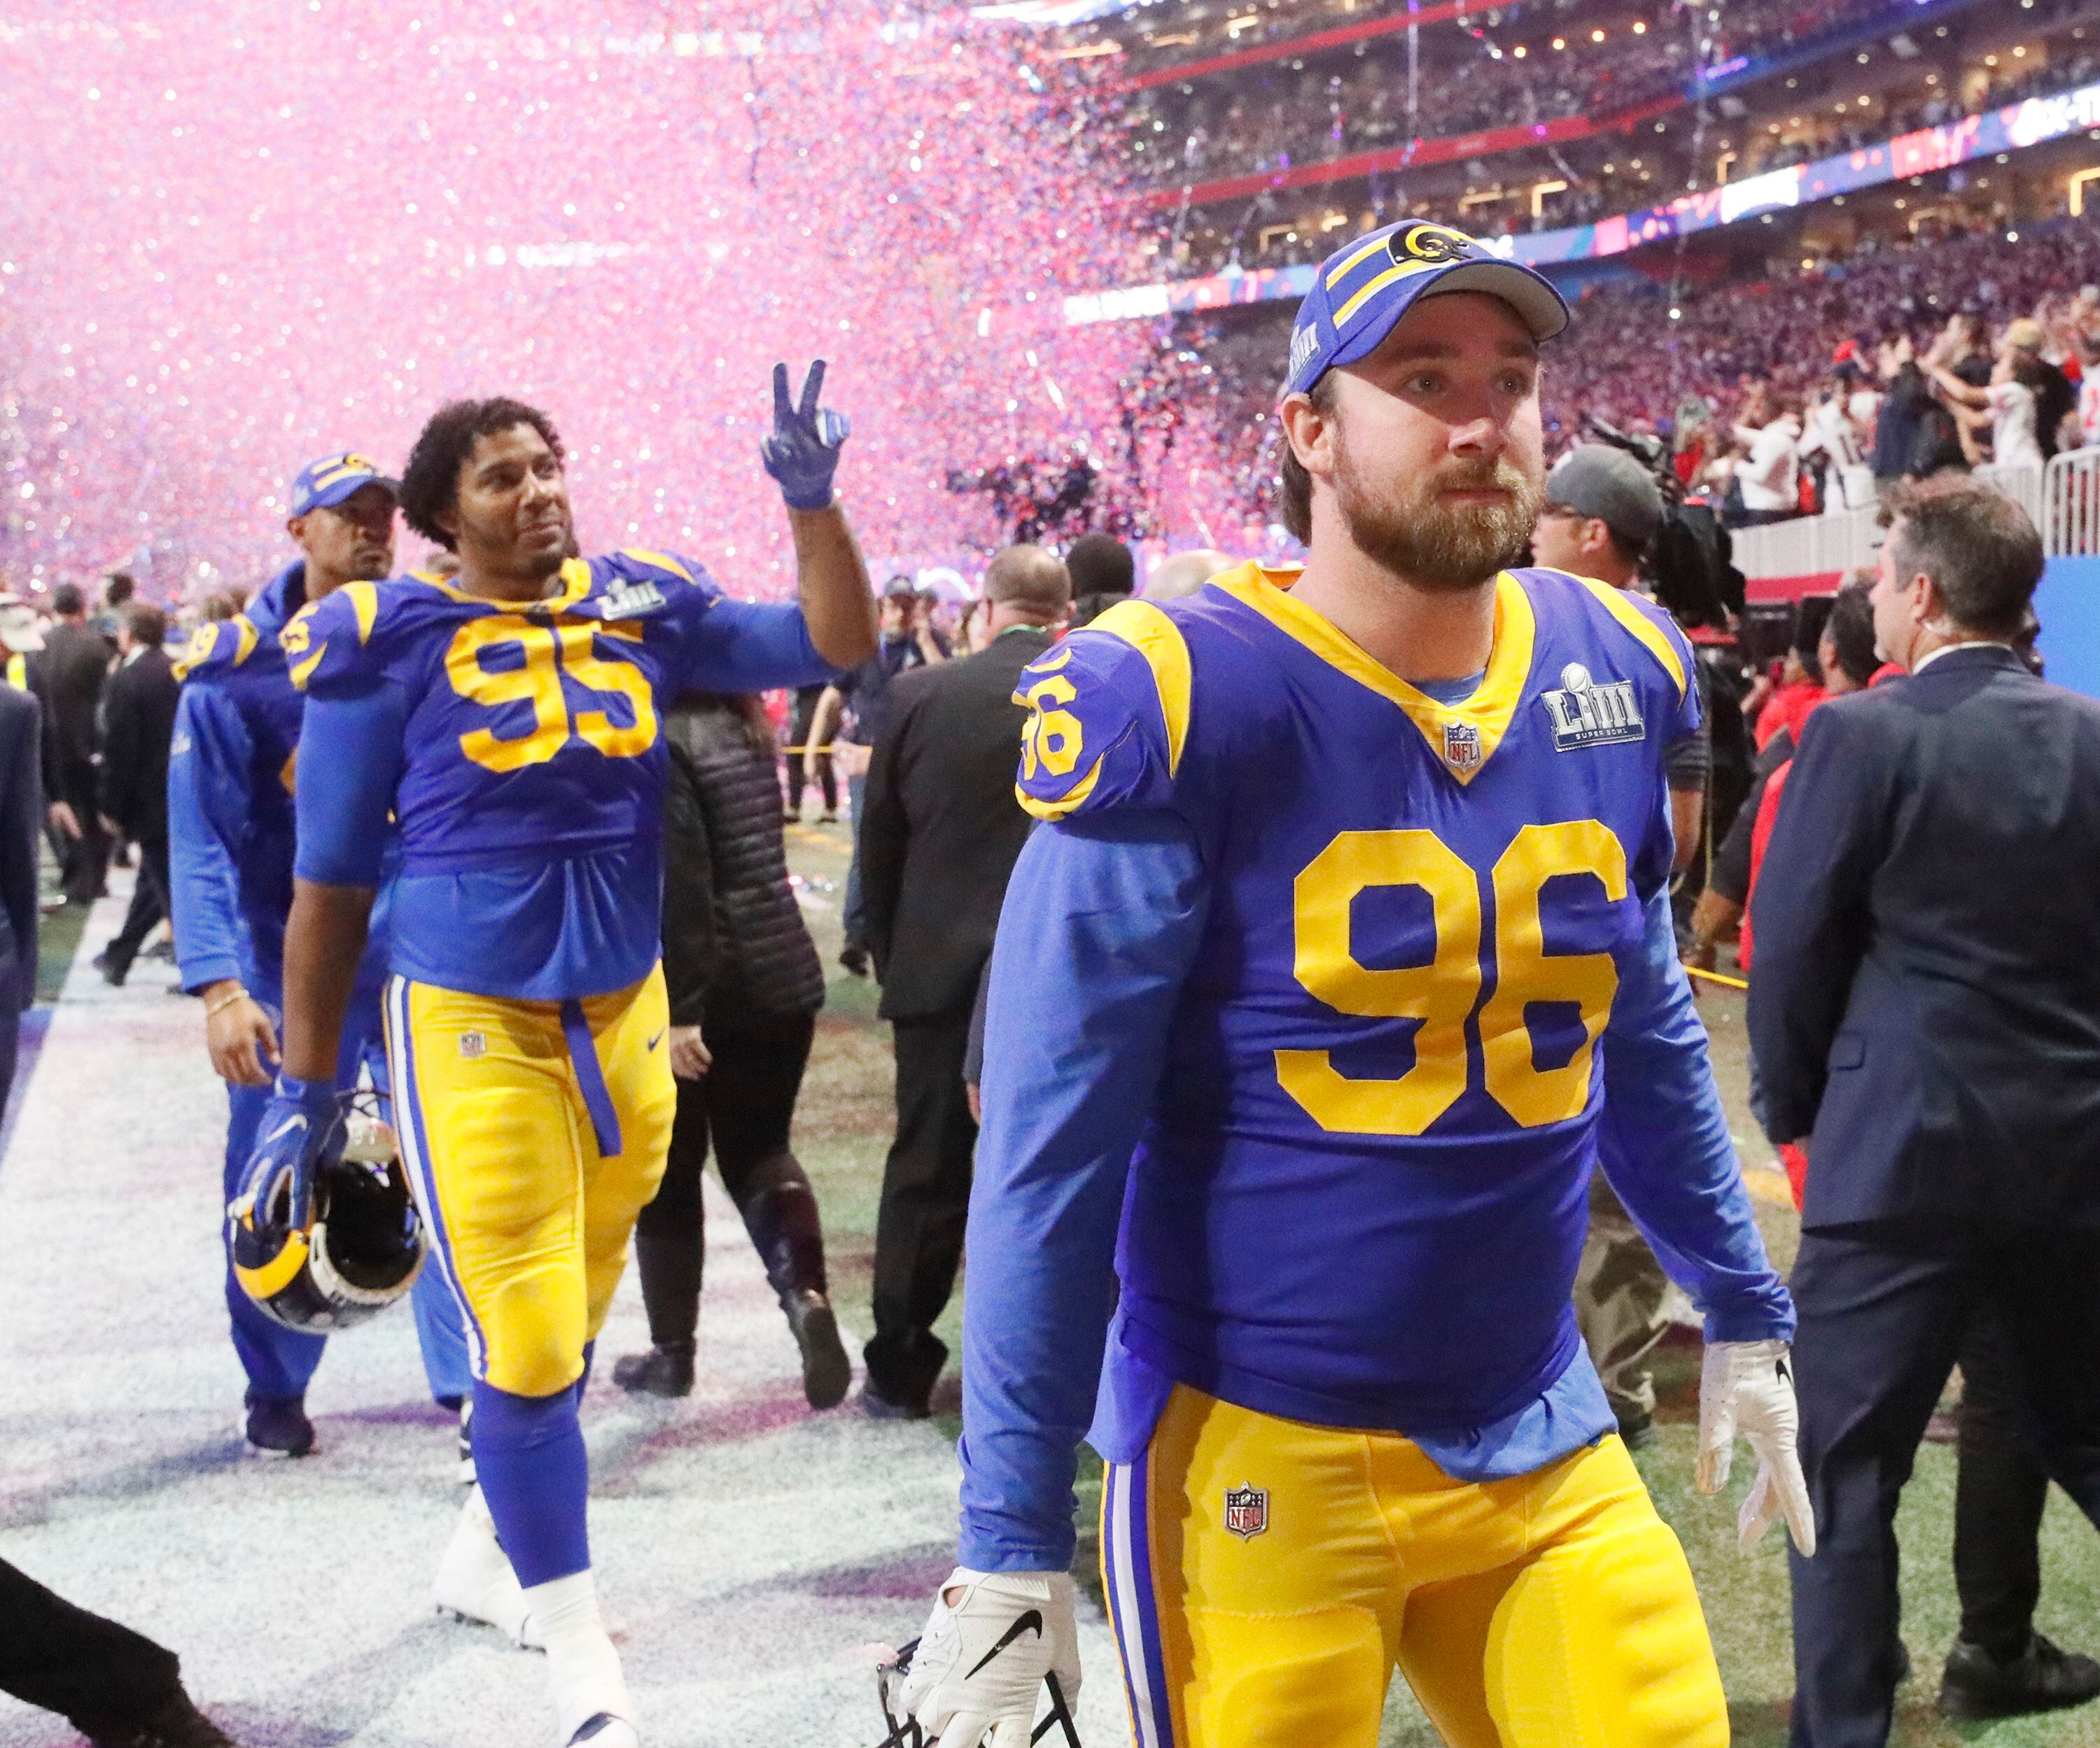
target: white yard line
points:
(747, 1549)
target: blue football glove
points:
(803, 452)
(299, 1130)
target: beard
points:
(1403, 526)
(373, 564)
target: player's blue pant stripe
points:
(1133, 1610)
(416, 1155)
(590, 1079)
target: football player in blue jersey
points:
(229, 828)
(1343, 957)
(508, 719)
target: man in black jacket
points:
(139, 716)
(71, 672)
(1925, 1013)
(943, 833)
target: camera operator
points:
(1604, 512)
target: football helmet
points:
(324, 1237)
(904, 1730)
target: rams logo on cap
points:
(1434, 244)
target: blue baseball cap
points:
(334, 478)
(1363, 290)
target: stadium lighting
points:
(1640, 27)
(1560, 43)
(1596, 35)
(1518, 52)
(1676, 314)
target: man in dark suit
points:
(942, 835)
(1925, 1014)
(139, 722)
(72, 669)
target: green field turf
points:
(842, 1131)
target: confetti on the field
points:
(233, 237)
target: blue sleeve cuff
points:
(209, 968)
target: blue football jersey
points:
(232, 769)
(1360, 1196)
(518, 746)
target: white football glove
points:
(1746, 1387)
(981, 1660)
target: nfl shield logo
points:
(1462, 745)
(1246, 1511)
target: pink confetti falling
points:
(235, 237)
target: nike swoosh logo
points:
(656, 1041)
(289, 1126)
(1029, 1622)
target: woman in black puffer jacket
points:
(745, 985)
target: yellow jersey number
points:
(1050, 738)
(546, 652)
(1442, 994)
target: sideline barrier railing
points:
(2063, 500)
(2070, 516)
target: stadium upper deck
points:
(1322, 119)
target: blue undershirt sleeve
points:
(1666, 1149)
(753, 646)
(1101, 925)
(351, 749)
(210, 754)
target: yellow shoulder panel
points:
(1147, 629)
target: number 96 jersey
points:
(1360, 1199)
(518, 746)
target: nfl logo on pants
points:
(1246, 1511)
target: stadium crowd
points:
(1272, 119)
(1744, 27)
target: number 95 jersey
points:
(518, 744)
(1360, 1199)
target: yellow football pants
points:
(534, 1132)
(1265, 1577)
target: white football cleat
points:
(604, 1731)
(475, 1582)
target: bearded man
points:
(1344, 957)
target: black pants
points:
(744, 1105)
(1884, 1313)
(86, 858)
(149, 903)
(925, 1205)
(1999, 1496)
(805, 717)
(96, 1674)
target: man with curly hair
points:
(509, 720)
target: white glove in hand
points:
(1747, 1387)
(982, 1658)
